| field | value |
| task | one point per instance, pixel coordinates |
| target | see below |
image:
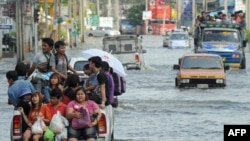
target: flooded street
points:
(152, 109)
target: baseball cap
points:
(25, 91)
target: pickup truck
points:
(105, 126)
(224, 39)
(127, 49)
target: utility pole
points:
(46, 18)
(248, 13)
(117, 14)
(19, 29)
(59, 15)
(109, 8)
(225, 6)
(146, 21)
(164, 18)
(81, 14)
(179, 19)
(1, 44)
(204, 5)
(193, 13)
(70, 16)
(97, 8)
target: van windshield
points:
(203, 62)
(220, 35)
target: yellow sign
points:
(48, 1)
(174, 14)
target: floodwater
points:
(153, 109)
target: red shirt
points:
(43, 112)
(61, 108)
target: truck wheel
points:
(243, 63)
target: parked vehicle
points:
(127, 48)
(103, 31)
(126, 27)
(177, 39)
(200, 70)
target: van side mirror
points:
(226, 67)
(176, 67)
(244, 43)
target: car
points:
(126, 27)
(102, 31)
(127, 49)
(201, 71)
(177, 39)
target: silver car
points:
(102, 31)
(177, 40)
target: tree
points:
(135, 14)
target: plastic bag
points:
(48, 135)
(56, 123)
(84, 122)
(38, 127)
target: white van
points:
(127, 48)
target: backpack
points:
(123, 84)
(57, 59)
(119, 84)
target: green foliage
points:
(92, 7)
(135, 14)
(248, 35)
(12, 33)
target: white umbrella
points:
(112, 60)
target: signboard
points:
(146, 15)
(2, 1)
(5, 20)
(187, 13)
(48, 1)
(5, 26)
(157, 8)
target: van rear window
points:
(112, 48)
(128, 47)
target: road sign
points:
(147, 15)
(5, 26)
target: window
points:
(202, 62)
(128, 47)
(79, 65)
(112, 48)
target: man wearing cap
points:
(24, 102)
(16, 86)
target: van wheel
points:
(112, 136)
(90, 35)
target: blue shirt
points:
(15, 90)
(93, 79)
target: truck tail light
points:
(236, 56)
(102, 125)
(17, 124)
(137, 58)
